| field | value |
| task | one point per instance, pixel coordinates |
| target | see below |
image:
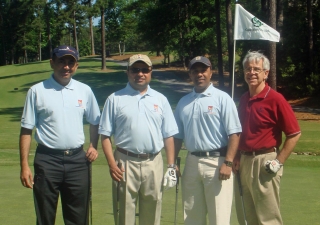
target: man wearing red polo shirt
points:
(264, 115)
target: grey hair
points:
(256, 57)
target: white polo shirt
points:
(57, 113)
(138, 122)
(206, 119)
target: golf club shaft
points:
(118, 195)
(90, 193)
(241, 196)
(177, 190)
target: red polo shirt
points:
(263, 118)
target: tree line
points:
(30, 29)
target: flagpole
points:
(233, 68)
(235, 31)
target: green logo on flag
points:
(256, 22)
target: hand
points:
(92, 154)
(225, 172)
(170, 178)
(236, 164)
(272, 166)
(26, 177)
(116, 172)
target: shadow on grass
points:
(14, 112)
(25, 74)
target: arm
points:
(24, 144)
(225, 171)
(288, 147)
(92, 153)
(115, 172)
(169, 147)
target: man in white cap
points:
(208, 123)
(141, 122)
(56, 108)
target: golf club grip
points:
(178, 165)
(118, 184)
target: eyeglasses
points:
(255, 69)
(137, 70)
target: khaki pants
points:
(142, 181)
(260, 191)
(203, 193)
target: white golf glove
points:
(272, 166)
(170, 178)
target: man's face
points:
(63, 69)
(139, 76)
(254, 74)
(200, 74)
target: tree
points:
(272, 47)
(219, 44)
(101, 4)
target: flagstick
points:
(233, 69)
(235, 30)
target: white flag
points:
(249, 27)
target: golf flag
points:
(249, 27)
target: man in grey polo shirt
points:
(208, 123)
(141, 122)
(56, 108)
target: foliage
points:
(29, 29)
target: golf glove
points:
(272, 166)
(170, 178)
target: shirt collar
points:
(263, 94)
(132, 91)
(208, 92)
(58, 86)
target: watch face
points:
(228, 163)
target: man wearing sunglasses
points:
(141, 122)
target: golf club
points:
(177, 190)
(90, 194)
(118, 195)
(241, 196)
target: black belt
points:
(259, 152)
(68, 152)
(140, 156)
(216, 153)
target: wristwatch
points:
(171, 166)
(228, 163)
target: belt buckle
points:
(254, 153)
(208, 154)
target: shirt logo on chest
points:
(80, 103)
(210, 108)
(155, 108)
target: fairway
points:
(298, 204)
(299, 186)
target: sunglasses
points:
(137, 70)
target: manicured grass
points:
(299, 201)
(299, 187)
